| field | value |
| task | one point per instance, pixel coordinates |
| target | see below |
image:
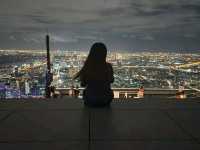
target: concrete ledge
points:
(127, 124)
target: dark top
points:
(98, 91)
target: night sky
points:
(132, 25)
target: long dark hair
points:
(95, 66)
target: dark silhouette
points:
(96, 75)
(49, 75)
(76, 92)
(53, 92)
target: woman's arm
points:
(83, 81)
(110, 73)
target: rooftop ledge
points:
(149, 123)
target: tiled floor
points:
(67, 124)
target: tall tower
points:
(48, 73)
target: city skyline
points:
(132, 25)
(60, 51)
(23, 73)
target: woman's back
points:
(96, 76)
(98, 91)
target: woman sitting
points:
(96, 76)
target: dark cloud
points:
(191, 7)
(124, 24)
(38, 19)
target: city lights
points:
(24, 75)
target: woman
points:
(96, 75)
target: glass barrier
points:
(23, 72)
